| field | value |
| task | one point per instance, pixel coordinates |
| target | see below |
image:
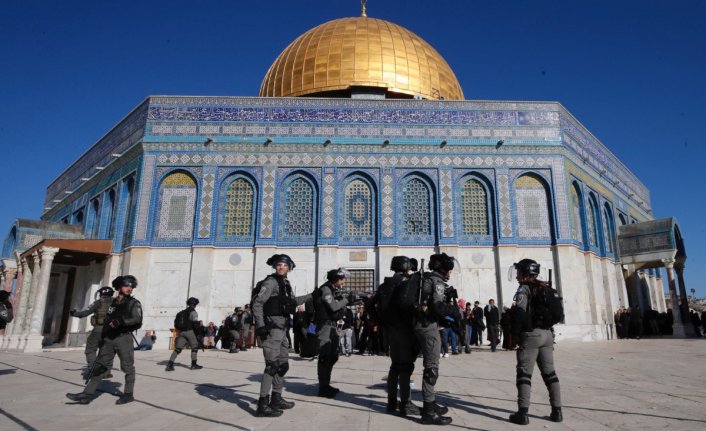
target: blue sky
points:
(632, 71)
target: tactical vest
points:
(274, 305)
(321, 312)
(122, 310)
(98, 317)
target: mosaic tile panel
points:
(358, 210)
(206, 205)
(388, 222)
(239, 204)
(446, 195)
(268, 202)
(416, 212)
(176, 213)
(531, 207)
(328, 213)
(143, 209)
(504, 207)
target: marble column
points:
(677, 327)
(683, 299)
(32, 292)
(34, 340)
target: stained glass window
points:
(239, 208)
(532, 209)
(474, 203)
(358, 207)
(177, 204)
(576, 227)
(299, 209)
(416, 208)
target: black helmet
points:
(414, 264)
(527, 266)
(337, 274)
(441, 262)
(192, 302)
(277, 258)
(4, 294)
(124, 280)
(105, 291)
(400, 264)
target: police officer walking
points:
(124, 316)
(234, 324)
(273, 303)
(433, 309)
(187, 336)
(98, 309)
(246, 321)
(329, 306)
(533, 338)
(402, 342)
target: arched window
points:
(417, 212)
(474, 208)
(130, 198)
(623, 220)
(112, 213)
(358, 210)
(95, 218)
(532, 207)
(239, 205)
(177, 205)
(576, 225)
(592, 223)
(298, 220)
(608, 229)
(78, 217)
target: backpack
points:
(406, 295)
(383, 307)
(5, 313)
(234, 322)
(547, 308)
(182, 320)
(256, 291)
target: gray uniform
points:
(245, 319)
(536, 346)
(327, 311)
(275, 347)
(99, 307)
(426, 330)
(235, 322)
(118, 341)
(187, 337)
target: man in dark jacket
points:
(123, 317)
(492, 320)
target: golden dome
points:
(330, 59)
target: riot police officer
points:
(534, 341)
(329, 306)
(234, 323)
(433, 309)
(402, 342)
(187, 336)
(124, 316)
(97, 310)
(273, 303)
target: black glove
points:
(263, 332)
(72, 312)
(114, 323)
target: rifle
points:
(421, 283)
(550, 278)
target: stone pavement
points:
(647, 384)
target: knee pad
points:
(98, 370)
(177, 350)
(270, 368)
(550, 378)
(431, 375)
(524, 378)
(194, 350)
(282, 369)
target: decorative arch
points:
(417, 209)
(94, 218)
(176, 208)
(577, 226)
(623, 220)
(238, 203)
(298, 212)
(130, 197)
(532, 207)
(593, 221)
(358, 221)
(112, 213)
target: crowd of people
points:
(634, 323)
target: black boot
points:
(442, 410)
(170, 366)
(520, 418)
(431, 417)
(265, 410)
(391, 405)
(195, 366)
(80, 398)
(408, 408)
(556, 415)
(233, 350)
(279, 403)
(327, 391)
(125, 398)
